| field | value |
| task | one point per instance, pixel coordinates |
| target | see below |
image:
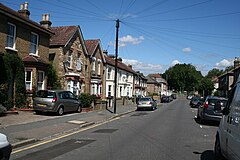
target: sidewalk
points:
(27, 127)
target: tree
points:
(229, 68)
(183, 77)
(206, 86)
(214, 73)
(53, 80)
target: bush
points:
(3, 110)
(86, 100)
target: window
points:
(40, 80)
(34, 44)
(109, 73)
(69, 59)
(109, 90)
(99, 67)
(79, 63)
(93, 89)
(11, 36)
(28, 79)
(93, 63)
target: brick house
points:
(153, 87)
(162, 82)
(225, 82)
(96, 65)
(70, 58)
(29, 40)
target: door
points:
(73, 102)
(234, 126)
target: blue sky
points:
(154, 34)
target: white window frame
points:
(39, 82)
(99, 67)
(109, 90)
(28, 82)
(93, 63)
(109, 73)
(79, 63)
(33, 44)
(69, 59)
(11, 36)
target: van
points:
(227, 143)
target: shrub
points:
(3, 110)
(86, 100)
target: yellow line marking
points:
(63, 136)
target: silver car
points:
(146, 103)
(5, 147)
(58, 101)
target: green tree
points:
(229, 68)
(206, 86)
(53, 80)
(214, 73)
(183, 77)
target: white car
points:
(5, 147)
(227, 144)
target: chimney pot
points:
(21, 6)
(46, 21)
(26, 5)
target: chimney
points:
(236, 62)
(24, 10)
(45, 22)
(120, 59)
(112, 56)
(130, 66)
(105, 52)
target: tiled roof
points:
(155, 75)
(111, 61)
(151, 81)
(5, 10)
(34, 59)
(62, 35)
(91, 45)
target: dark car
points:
(195, 102)
(211, 109)
(166, 99)
(174, 96)
(58, 101)
(5, 147)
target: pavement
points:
(25, 127)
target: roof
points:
(157, 75)
(151, 81)
(34, 60)
(18, 16)
(111, 61)
(62, 35)
(91, 45)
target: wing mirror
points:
(225, 111)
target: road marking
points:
(63, 136)
(77, 122)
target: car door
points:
(234, 127)
(73, 102)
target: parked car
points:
(211, 109)
(227, 143)
(58, 101)
(146, 103)
(5, 147)
(195, 102)
(166, 99)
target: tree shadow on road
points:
(206, 155)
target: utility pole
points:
(116, 63)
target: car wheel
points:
(60, 111)
(217, 150)
(38, 112)
(79, 109)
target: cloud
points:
(144, 67)
(187, 50)
(128, 39)
(224, 63)
(175, 62)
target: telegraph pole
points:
(116, 63)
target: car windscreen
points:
(46, 94)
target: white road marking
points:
(77, 122)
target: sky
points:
(153, 34)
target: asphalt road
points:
(168, 133)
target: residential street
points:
(168, 133)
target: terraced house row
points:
(81, 65)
